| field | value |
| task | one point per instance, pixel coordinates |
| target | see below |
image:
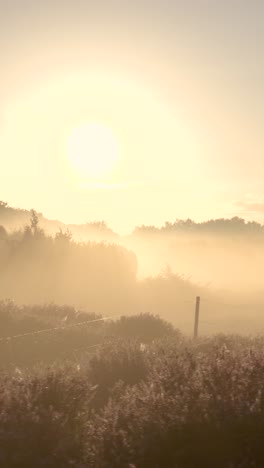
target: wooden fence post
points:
(196, 318)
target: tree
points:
(34, 225)
(65, 236)
(34, 220)
(3, 204)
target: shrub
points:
(143, 327)
(41, 418)
(123, 361)
(173, 403)
(194, 409)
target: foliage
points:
(37, 268)
(97, 277)
(171, 404)
(221, 226)
(201, 405)
(146, 327)
(59, 336)
(41, 418)
(122, 361)
(15, 218)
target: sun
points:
(93, 150)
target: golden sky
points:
(132, 112)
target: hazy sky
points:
(177, 84)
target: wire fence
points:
(191, 317)
(63, 327)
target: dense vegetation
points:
(99, 277)
(219, 226)
(138, 403)
(108, 278)
(13, 218)
(38, 268)
(16, 218)
(50, 333)
(77, 390)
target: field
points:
(144, 396)
(131, 234)
(114, 379)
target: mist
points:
(223, 260)
(153, 270)
(131, 234)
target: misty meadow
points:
(131, 234)
(98, 364)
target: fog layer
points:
(160, 271)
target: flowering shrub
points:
(201, 405)
(172, 403)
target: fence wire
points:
(48, 330)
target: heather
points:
(168, 401)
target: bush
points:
(122, 361)
(143, 327)
(61, 342)
(195, 409)
(173, 403)
(41, 418)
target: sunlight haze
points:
(176, 89)
(131, 233)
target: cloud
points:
(250, 206)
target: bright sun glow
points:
(93, 150)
